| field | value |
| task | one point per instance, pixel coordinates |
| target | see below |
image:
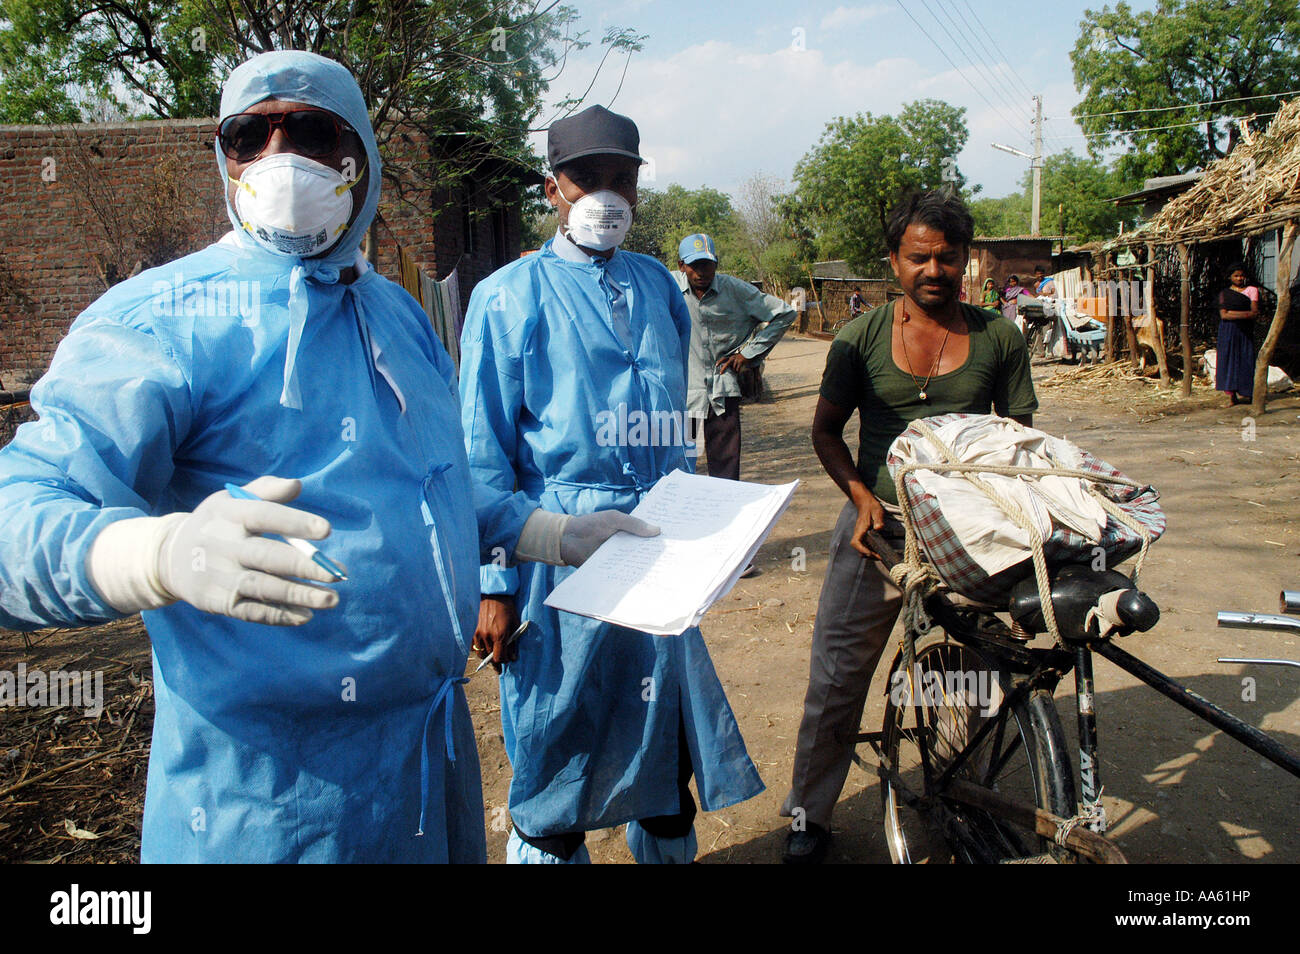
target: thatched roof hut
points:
(1250, 195)
(1254, 188)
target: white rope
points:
(1090, 816)
(916, 577)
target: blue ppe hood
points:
(298, 76)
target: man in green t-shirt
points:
(925, 354)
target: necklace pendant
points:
(922, 395)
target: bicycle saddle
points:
(1077, 591)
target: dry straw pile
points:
(1253, 188)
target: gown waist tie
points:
(634, 483)
(439, 698)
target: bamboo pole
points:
(812, 284)
(1126, 319)
(1157, 330)
(1185, 314)
(1260, 394)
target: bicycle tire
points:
(1037, 342)
(921, 825)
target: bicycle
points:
(966, 778)
(844, 321)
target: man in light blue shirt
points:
(733, 327)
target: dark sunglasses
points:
(313, 132)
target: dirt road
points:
(1175, 789)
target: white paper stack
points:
(710, 529)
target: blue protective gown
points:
(272, 743)
(591, 712)
(331, 741)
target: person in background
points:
(1234, 370)
(733, 327)
(990, 298)
(857, 304)
(1010, 299)
(1044, 284)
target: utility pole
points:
(1037, 163)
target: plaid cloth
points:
(940, 546)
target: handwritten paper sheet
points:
(710, 529)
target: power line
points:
(1208, 102)
(971, 54)
(944, 54)
(989, 72)
(976, 17)
(993, 68)
(1195, 122)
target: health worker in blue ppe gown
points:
(278, 362)
(574, 370)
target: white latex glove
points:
(584, 533)
(570, 539)
(216, 560)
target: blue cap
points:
(695, 247)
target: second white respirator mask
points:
(292, 205)
(599, 220)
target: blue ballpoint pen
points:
(302, 546)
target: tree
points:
(768, 244)
(1076, 190)
(1005, 216)
(862, 165)
(1140, 70)
(664, 218)
(467, 74)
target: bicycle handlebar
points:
(888, 555)
(1260, 662)
(1232, 619)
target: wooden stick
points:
(76, 763)
(1157, 329)
(1129, 337)
(1081, 840)
(812, 282)
(1260, 395)
(1185, 314)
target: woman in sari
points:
(990, 297)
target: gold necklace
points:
(902, 335)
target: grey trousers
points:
(856, 612)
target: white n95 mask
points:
(599, 220)
(292, 205)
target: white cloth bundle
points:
(988, 535)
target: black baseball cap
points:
(593, 132)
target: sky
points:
(722, 91)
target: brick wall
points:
(71, 195)
(83, 205)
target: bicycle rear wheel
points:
(955, 691)
(1036, 341)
